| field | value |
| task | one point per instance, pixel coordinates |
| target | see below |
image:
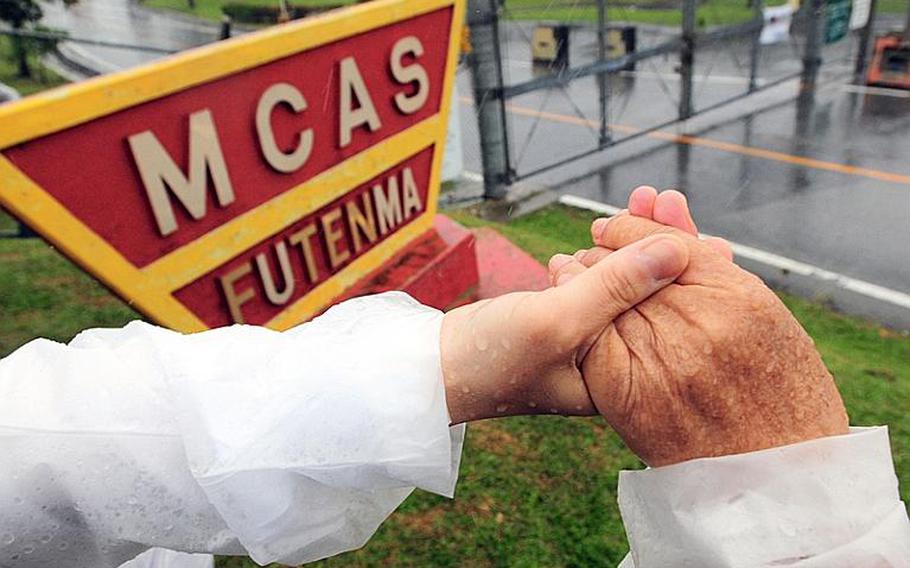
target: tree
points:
(19, 13)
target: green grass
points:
(7, 223)
(892, 6)
(534, 491)
(710, 12)
(42, 78)
(211, 9)
(44, 295)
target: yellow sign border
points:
(149, 289)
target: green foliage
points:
(20, 12)
(40, 46)
(41, 78)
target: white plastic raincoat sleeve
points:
(827, 503)
(288, 447)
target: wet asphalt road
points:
(122, 21)
(857, 224)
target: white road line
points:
(472, 176)
(589, 204)
(783, 263)
(721, 79)
(864, 90)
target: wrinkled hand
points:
(713, 364)
(521, 353)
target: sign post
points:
(254, 180)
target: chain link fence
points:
(614, 70)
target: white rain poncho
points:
(288, 447)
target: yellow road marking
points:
(718, 145)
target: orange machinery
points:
(891, 61)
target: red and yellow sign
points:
(252, 180)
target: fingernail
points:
(599, 226)
(559, 260)
(664, 257)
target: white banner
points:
(860, 15)
(777, 24)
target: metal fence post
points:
(687, 58)
(755, 48)
(602, 78)
(865, 39)
(226, 22)
(486, 75)
(812, 57)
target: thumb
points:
(622, 280)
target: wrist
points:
(497, 360)
(466, 396)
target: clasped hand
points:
(684, 354)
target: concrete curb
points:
(79, 60)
